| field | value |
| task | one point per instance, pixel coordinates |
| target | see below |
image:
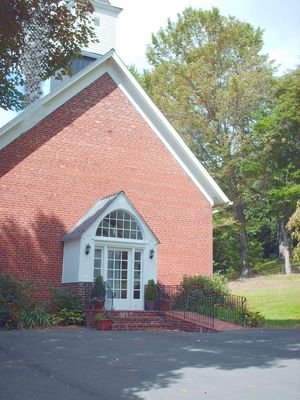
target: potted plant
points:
(151, 295)
(98, 293)
(165, 303)
(103, 322)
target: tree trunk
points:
(245, 266)
(283, 244)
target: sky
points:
(280, 20)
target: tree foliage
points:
(212, 82)
(39, 38)
(279, 134)
(294, 226)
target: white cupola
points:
(105, 25)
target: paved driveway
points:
(88, 365)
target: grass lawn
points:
(275, 296)
(274, 267)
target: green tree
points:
(38, 38)
(279, 134)
(212, 82)
(294, 226)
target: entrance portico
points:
(114, 241)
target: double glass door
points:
(121, 268)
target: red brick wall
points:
(94, 145)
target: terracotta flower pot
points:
(99, 304)
(104, 325)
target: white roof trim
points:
(107, 7)
(110, 63)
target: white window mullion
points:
(105, 263)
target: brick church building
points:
(94, 180)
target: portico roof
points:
(95, 212)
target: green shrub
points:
(98, 292)
(151, 291)
(68, 317)
(37, 317)
(66, 307)
(62, 298)
(14, 298)
(215, 285)
(254, 319)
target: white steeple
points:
(105, 25)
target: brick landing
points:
(153, 321)
(219, 326)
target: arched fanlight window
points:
(119, 224)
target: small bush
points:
(215, 285)
(14, 298)
(98, 292)
(151, 291)
(66, 307)
(68, 317)
(254, 319)
(36, 318)
(64, 299)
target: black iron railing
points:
(201, 305)
(230, 308)
(109, 297)
(176, 300)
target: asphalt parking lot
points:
(76, 363)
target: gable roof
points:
(110, 63)
(95, 212)
(90, 217)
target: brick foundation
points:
(83, 290)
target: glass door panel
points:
(137, 266)
(117, 272)
(122, 269)
(98, 262)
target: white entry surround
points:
(125, 264)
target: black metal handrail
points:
(201, 305)
(173, 298)
(109, 297)
(230, 308)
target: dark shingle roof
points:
(90, 217)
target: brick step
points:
(136, 319)
(160, 326)
(148, 321)
(158, 323)
(138, 322)
(132, 327)
(135, 314)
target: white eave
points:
(111, 63)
